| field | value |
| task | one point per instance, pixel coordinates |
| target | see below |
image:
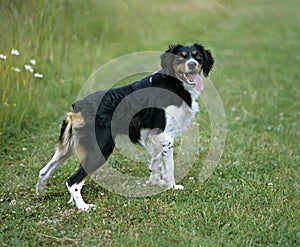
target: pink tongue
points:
(197, 80)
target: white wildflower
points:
(32, 61)
(281, 116)
(13, 202)
(52, 221)
(38, 75)
(28, 68)
(15, 52)
(17, 70)
(22, 164)
(2, 56)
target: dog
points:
(152, 112)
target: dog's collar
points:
(151, 77)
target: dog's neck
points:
(192, 90)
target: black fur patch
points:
(62, 130)
(98, 108)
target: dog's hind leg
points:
(63, 151)
(58, 158)
(74, 185)
(94, 158)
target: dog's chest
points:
(179, 118)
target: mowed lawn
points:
(253, 196)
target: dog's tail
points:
(68, 139)
(66, 133)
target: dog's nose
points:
(192, 65)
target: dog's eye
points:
(184, 54)
(198, 57)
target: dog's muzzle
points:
(191, 74)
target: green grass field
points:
(252, 198)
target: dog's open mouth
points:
(192, 79)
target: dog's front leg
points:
(155, 167)
(156, 162)
(161, 165)
(168, 172)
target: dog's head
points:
(187, 62)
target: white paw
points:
(86, 207)
(178, 187)
(159, 182)
(71, 201)
(40, 186)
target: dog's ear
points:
(208, 60)
(167, 58)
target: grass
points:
(252, 199)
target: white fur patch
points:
(77, 199)
(160, 146)
(161, 165)
(58, 158)
(179, 118)
(178, 187)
